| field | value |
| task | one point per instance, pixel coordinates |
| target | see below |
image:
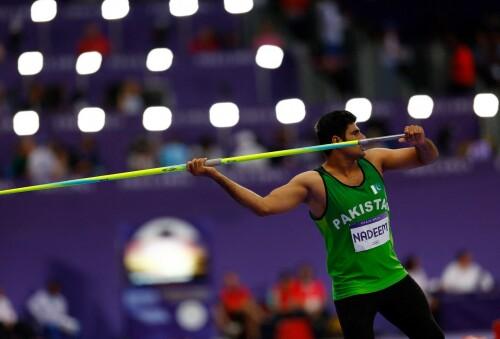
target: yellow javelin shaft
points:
(182, 167)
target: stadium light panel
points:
(238, 6)
(269, 56)
(290, 111)
(360, 107)
(420, 106)
(485, 105)
(91, 119)
(224, 114)
(88, 63)
(43, 10)
(157, 118)
(183, 7)
(26, 123)
(115, 9)
(30, 63)
(159, 59)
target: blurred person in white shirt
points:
(49, 308)
(463, 276)
(10, 327)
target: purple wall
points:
(73, 234)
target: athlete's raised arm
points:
(422, 153)
(282, 199)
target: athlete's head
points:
(338, 126)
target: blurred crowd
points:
(298, 305)
(353, 55)
(45, 316)
(40, 161)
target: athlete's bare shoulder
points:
(375, 156)
(308, 177)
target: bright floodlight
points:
(30, 63)
(238, 6)
(360, 107)
(114, 9)
(183, 7)
(224, 114)
(269, 56)
(290, 111)
(43, 10)
(420, 106)
(91, 119)
(26, 123)
(486, 105)
(157, 118)
(88, 63)
(159, 59)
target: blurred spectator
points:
(268, 35)
(87, 160)
(285, 137)
(50, 311)
(237, 314)
(417, 272)
(463, 68)
(141, 155)
(53, 98)
(465, 276)
(331, 28)
(173, 152)
(298, 18)
(93, 40)
(206, 40)
(315, 300)
(314, 291)
(4, 104)
(3, 53)
(479, 150)
(287, 295)
(207, 148)
(15, 34)
(10, 327)
(19, 165)
(129, 99)
(333, 62)
(247, 143)
(47, 162)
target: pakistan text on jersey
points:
(359, 210)
(368, 234)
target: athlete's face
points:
(352, 132)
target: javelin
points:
(210, 162)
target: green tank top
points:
(356, 228)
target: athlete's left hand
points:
(414, 135)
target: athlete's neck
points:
(345, 166)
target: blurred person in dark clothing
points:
(87, 161)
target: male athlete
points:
(347, 200)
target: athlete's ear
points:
(336, 139)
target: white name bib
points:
(370, 233)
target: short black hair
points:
(333, 123)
